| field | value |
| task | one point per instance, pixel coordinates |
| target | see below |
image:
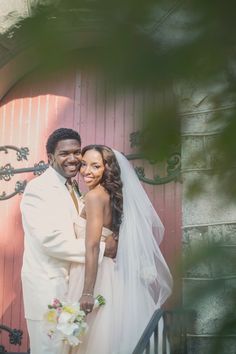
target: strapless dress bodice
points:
(82, 223)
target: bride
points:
(138, 281)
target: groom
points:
(49, 212)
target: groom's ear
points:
(50, 159)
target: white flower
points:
(66, 317)
(67, 328)
(73, 340)
(66, 321)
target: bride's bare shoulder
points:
(97, 195)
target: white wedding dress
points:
(134, 285)
(97, 339)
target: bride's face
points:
(92, 168)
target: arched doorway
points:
(33, 108)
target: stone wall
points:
(208, 219)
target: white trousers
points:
(40, 343)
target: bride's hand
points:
(86, 303)
(76, 230)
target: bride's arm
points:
(94, 208)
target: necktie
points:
(72, 193)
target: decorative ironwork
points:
(19, 189)
(21, 153)
(172, 169)
(8, 171)
(135, 139)
(173, 164)
(15, 336)
(39, 168)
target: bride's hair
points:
(111, 181)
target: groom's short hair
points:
(58, 135)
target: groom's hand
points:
(111, 246)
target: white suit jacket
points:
(50, 245)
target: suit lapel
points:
(57, 183)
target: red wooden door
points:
(28, 113)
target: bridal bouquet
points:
(66, 321)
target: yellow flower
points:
(51, 316)
(69, 309)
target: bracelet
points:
(87, 294)
(115, 236)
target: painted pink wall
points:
(28, 113)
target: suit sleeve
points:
(41, 222)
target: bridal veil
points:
(142, 278)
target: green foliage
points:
(158, 46)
